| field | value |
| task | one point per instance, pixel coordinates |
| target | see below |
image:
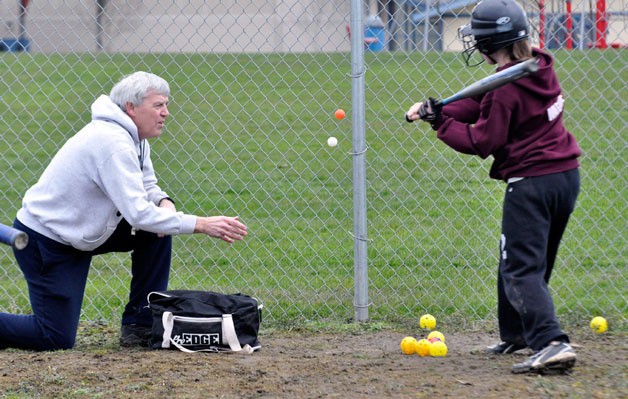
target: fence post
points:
(360, 301)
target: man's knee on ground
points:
(54, 340)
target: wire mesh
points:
(247, 136)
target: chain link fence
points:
(254, 88)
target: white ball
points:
(332, 141)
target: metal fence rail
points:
(409, 235)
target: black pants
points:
(535, 215)
(56, 275)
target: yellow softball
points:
(436, 334)
(438, 349)
(422, 347)
(599, 325)
(427, 321)
(408, 345)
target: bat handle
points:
(436, 103)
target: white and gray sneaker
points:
(555, 357)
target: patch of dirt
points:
(310, 365)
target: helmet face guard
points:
(470, 45)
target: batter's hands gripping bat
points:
(13, 237)
(492, 82)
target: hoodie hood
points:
(103, 109)
(543, 84)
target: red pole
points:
(541, 23)
(601, 24)
(22, 18)
(569, 24)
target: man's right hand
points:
(226, 228)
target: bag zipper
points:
(190, 319)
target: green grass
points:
(247, 137)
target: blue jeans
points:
(56, 275)
(535, 215)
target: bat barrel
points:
(13, 237)
(496, 80)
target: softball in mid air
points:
(332, 141)
(599, 325)
(427, 321)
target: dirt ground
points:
(363, 364)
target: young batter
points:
(520, 126)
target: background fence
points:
(254, 88)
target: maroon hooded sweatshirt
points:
(520, 124)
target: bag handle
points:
(167, 320)
(229, 336)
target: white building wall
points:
(208, 25)
(190, 26)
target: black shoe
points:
(135, 335)
(555, 357)
(504, 348)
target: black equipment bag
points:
(194, 321)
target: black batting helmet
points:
(495, 24)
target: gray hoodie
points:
(100, 175)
